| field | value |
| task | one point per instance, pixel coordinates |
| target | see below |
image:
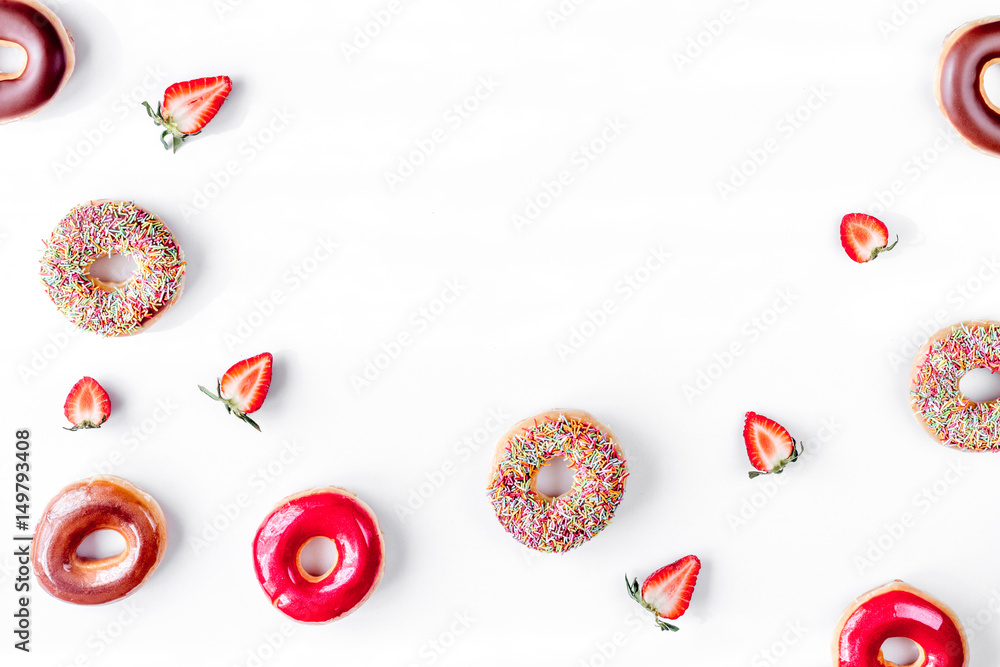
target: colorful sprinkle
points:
(567, 521)
(935, 397)
(91, 231)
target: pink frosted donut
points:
(100, 229)
(339, 516)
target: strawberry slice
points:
(188, 106)
(667, 592)
(769, 445)
(244, 386)
(864, 237)
(87, 405)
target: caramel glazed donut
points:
(84, 507)
(49, 57)
(967, 53)
(103, 228)
(937, 403)
(899, 610)
(557, 524)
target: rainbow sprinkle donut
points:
(557, 524)
(104, 228)
(939, 406)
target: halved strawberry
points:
(769, 445)
(864, 237)
(244, 386)
(667, 592)
(87, 405)
(188, 106)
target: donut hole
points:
(112, 270)
(901, 651)
(317, 558)
(554, 478)
(980, 385)
(13, 60)
(101, 544)
(989, 83)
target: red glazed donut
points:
(49, 57)
(899, 610)
(339, 516)
(967, 53)
(82, 508)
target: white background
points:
(832, 366)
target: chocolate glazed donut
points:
(967, 53)
(98, 503)
(48, 47)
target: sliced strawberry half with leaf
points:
(88, 405)
(769, 445)
(864, 237)
(187, 108)
(244, 386)
(667, 592)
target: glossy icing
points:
(84, 507)
(338, 516)
(899, 610)
(967, 53)
(49, 49)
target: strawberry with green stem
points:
(188, 107)
(769, 445)
(864, 237)
(88, 405)
(667, 592)
(244, 386)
